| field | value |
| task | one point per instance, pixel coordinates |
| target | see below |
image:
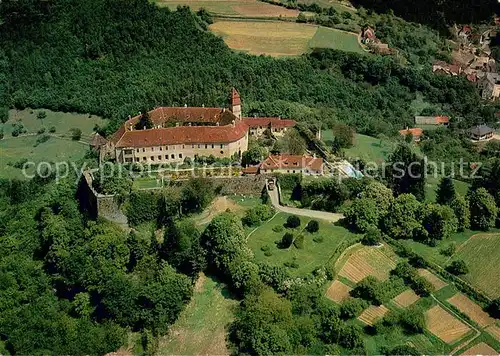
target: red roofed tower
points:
(236, 103)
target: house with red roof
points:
(415, 132)
(287, 163)
(181, 132)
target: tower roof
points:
(235, 97)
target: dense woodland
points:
(130, 55)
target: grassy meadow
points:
(58, 148)
(326, 37)
(314, 254)
(236, 8)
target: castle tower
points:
(236, 103)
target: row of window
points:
(160, 148)
(152, 158)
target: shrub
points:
(292, 264)
(41, 139)
(41, 115)
(4, 114)
(413, 321)
(1, 133)
(268, 253)
(286, 240)
(448, 250)
(318, 239)
(494, 308)
(457, 267)
(19, 164)
(372, 237)
(299, 242)
(52, 129)
(278, 228)
(41, 130)
(257, 215)
(293, 221)
(265, 248)
(76, 134)
(312, 226)
(368, 289)
(421, 286)
(352, 308)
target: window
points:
(161, 148)
(144, 158)
(137, 150)
(206, 146)
(143, 150)
(180, 155)
(166, 156)
(166, 148)
(199, 146)
(221, 146)
(152, 149)
(192, 146)
(212, 146)
(172, 156)
(221, 152)
(182, 146)
(128, 152)
(159, 158)
(137, 159)
(128, 160)
(152, 158)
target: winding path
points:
(315, 214)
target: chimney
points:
(140, 113)
(129, 117)
(217, 123)
(202, 105)
(185, 105)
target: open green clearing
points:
(313, 255)
(201, 327)
(326, 37)
(58, 148)
(432, 184)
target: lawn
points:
(58, 148)
(279, 38)
(332, 38)
(314, 254)
(481, 254)
(237, 8)
(201, 327)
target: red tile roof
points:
(442, 119)
(266, 121)
(162, 115)
(183, 135)
(235, 97)
(292, 161)
(416, 131)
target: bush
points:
(292, 264)
(52, 129)
(265, 248)
(293, 221)
(41, 139)
(41, 130)
(1, 133)
(286, 240)
(18, 164)
(299, 242)
(76, 134)
(278, 228)
(268, 253)
(352, 308)
(41, 115)
(457, 267)
(413, 321)
(448, 250)
(318, 239)
(258, 214)
(421, 286)
(494, 308)
(4, 114)
(372, 237)
(312, 226)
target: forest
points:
(131, 55)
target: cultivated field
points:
(201, 327)
(281, 38)
(369, 261)
(372, 314)
(480, 253)
(444, 325)
(471, 309)
(338, 291)
(494, 331)
(436, 282)
(241, 8)
(301, 261)
(406, 299)
(480, 349)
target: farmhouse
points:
(181, 132)
(481, 133)
(286, 163)
(441, 67)
(489, 86)
(415, 132)
(432, 120)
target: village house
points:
(415, 132)
(441, 67)
(432, 120)
(369, 39)
(481, 133)
(489, 86)
(286, 163)
(182, 132)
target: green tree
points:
(402, 218)
(372, 237)
(351, 308)
(196, 194)
(286, 240)
(112, 179)
(458, 267)
(494, 308)
(41, 115)
(76, 134)
(461, 209)
(253, 156)
(312, 226)
(343, 135)
(446, 191)
(406, 173)
(439, 221)
(380, 194)
(368, 289)
(483, 210)
(293, 221)
(224, 242)
(362, 214)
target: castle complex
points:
(181, 132)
